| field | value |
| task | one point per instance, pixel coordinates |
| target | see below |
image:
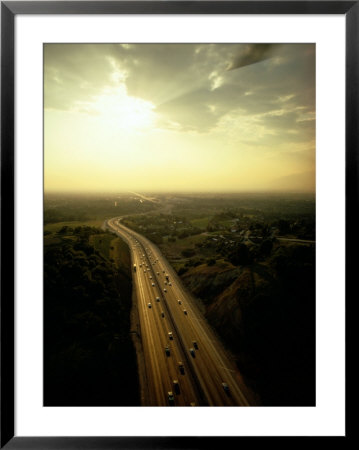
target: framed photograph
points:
(176, 182)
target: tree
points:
(266, 246)
(240, 256)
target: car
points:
(170, 335)
(166, 283)
(162, 314)
(157, 299)
(169, 284)
(171, 399)
(157, 273)
(181, 367)
(225, 387)
(164, 290)
(195, 345)
(153, 284)
(176, 386)
(144, 271)
(179, 302)
(167, 351)
(191, 350)
(149, 305)
(150, 277)
(185, 311)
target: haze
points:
(179, 117)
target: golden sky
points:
(179, 117)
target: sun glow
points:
(171, 117)
(119, 110)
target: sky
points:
(179, 117)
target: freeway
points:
(183, 356)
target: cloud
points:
(251, 54)
(75, 73)
(192, 86)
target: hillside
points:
(265, 313)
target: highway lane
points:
(208, 366)
(212, 354)
(161, 370)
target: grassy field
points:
(229, 223)
(112, 248)
(119, 253)
(175, 248)
(201, 223)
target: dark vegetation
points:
(158, 226)
(89, 357)
(259, 216)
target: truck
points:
(134, 267)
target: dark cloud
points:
(251, 54)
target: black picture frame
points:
(9, 9)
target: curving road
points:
(166, 307)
